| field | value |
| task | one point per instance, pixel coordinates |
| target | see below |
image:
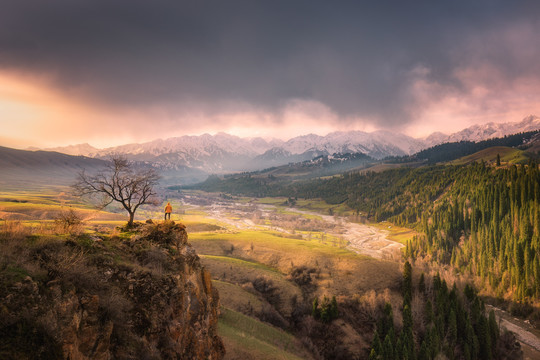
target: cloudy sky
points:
(111, 72)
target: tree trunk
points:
(131, 217)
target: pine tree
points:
(388, 349)
(422, 284)
(315, 311)
(452, 328)
(407, 283)
(376, 346)
(334, 312)
(493, 327)
(484, 338)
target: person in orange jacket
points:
(168, 211)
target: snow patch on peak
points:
(79, 149)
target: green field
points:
(396, 233)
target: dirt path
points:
(525, 332)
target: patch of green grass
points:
(396, 233)
(508, 156)
(107, 222)
(240, 263)
(288, 211)
(320, 206)
(12, 274)
(243, 334)
(268, 239)
(46, 205)
(271, 200)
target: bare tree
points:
(120, 182)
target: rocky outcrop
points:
(145, 296)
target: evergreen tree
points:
(452, 328)
(388, 349)
(422, 284)
(407, 283)
(315, 311)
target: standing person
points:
(168, 211)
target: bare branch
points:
(120, 182)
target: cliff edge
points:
(137, 295)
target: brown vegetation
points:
(81, 296)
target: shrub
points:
(301, 275)
(267, 289)
(69, 221)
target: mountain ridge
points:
(222, 152)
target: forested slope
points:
(482, 219)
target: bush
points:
(13, 231)
(301, 275)
(521, 309)
(270, 315)
(267, 289)
(69, 221)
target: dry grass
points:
(243, 273)
(342, 272)
(246, 338)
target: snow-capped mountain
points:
(79, 149)
(377, 144)
(222, 152)
(491, 130)
(435, 138)
(204, 144)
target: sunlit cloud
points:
(112, 77)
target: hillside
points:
(141, 295)
(454, 150)
(451, 205)
(507, 156)
(21, 168)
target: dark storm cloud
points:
(358, 58)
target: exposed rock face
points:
(88, 298)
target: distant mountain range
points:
(189, 159)
(222, 152)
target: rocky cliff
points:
(138, 295)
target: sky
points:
(114, 72)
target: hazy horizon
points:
(266, 138)
(109, 74)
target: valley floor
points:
(361, 238)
